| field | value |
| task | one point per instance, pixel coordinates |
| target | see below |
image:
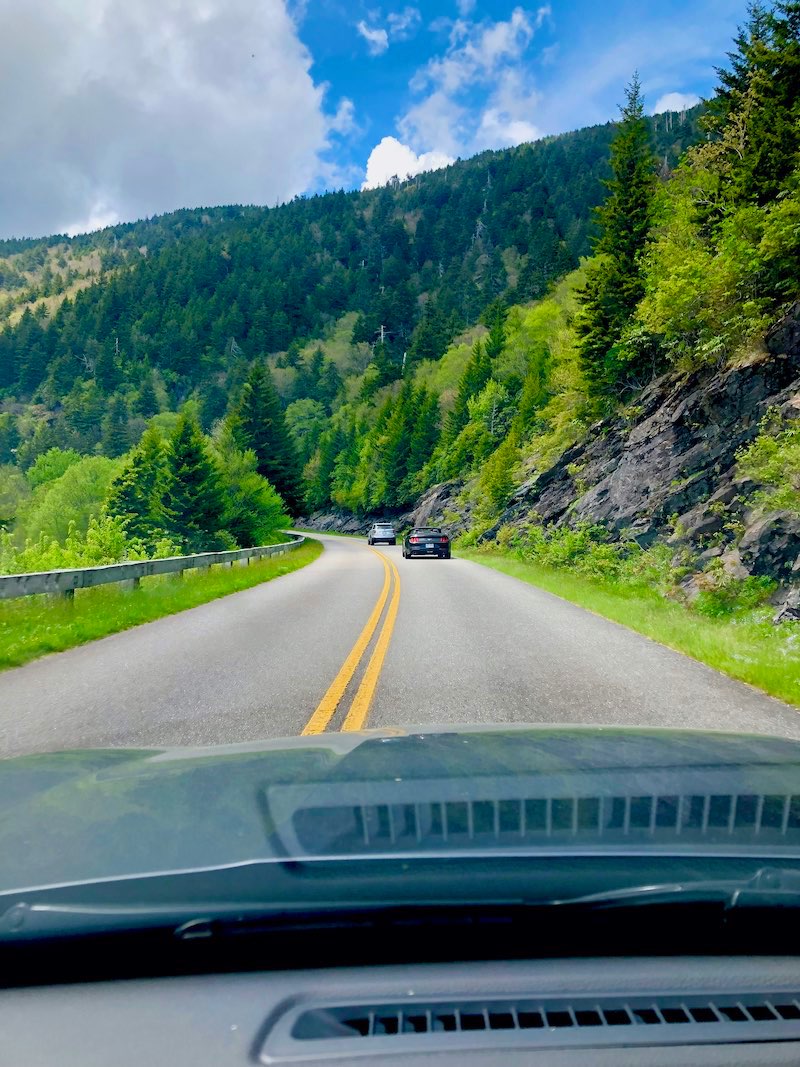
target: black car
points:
(426, 541)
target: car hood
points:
(83, 815)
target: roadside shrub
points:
(726, 595)
(773, 459)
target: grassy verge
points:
(748, 648)
(34, 626)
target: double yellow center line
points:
(359, 709)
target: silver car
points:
(382, 533)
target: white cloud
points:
(675, 102)
(465, 7)
(392, 159)
(505, 120)
(404, 24)
(343, 120)
(479, 93)
(437, 122)
(111, 109)
(400, 25)
(377, 38)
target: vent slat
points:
(477, 1017)
(462, 824)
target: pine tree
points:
(397, 449)
(614, 284)
(258, 423)
(476, 374)
(146, 402)
(106, 372)
(193, 501)
(423, 442)
(136, 495)
(114, 432)
(495, 318)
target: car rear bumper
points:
(434, 553)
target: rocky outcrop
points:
(439, 506)
(668, 468)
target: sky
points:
(114, 110)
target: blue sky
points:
(451, 77)
(113, 110)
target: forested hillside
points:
(493, 344)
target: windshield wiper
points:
(770, 887)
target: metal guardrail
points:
(64, 583)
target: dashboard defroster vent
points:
(312, 1029)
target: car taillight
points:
(414, 540)
(444, 540)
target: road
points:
(363, 637)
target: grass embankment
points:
(33, 626)
(748, 648)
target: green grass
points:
(748, 648)
(33, 626)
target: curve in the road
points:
(468, 645)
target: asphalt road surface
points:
(366, 638)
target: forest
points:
(223, 369)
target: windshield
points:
(523, 280)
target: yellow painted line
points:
(359, 709)
(329, 703)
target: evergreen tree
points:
(332, 444)
(258, 423)
(476, 374)
(614, 283)
(136, 495)
(769, 107)
(253, 512)
(424, 439)
(114, 432)
(397, 449)
(495, 318)
(106, 372)
(193, 500)
(146, 402)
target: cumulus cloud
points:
(115, 110)
(393, 159)
(377, 38)
(479, 93)
(675, 102)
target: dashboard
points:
(614, 1012)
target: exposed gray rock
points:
(771, 545)
(679, 453)
(677, 460)
(788, 608)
